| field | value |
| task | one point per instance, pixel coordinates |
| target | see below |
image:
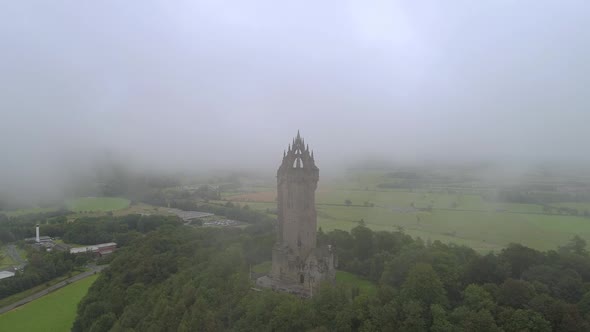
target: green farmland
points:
(482, 230)
(102, 204)
(53, 312)
(471, 222)
(456, 212)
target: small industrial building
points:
(100, 249)
(42, 239)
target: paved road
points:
(93, 270)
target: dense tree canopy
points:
(186, 279)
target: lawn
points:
(263, 267)
(103, 204)
(350, 280)
(53, 312)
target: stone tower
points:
(298, 264)
(297, 180)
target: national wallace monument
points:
(299, 266)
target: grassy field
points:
(263, 267)
(481, 230)
(350, 280)
(19, 296)
(97, 204)
(452, 212)
(53, 312)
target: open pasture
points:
(261, 196)
(53, 312)
(451, 216)
(101, 204)
(480, 230)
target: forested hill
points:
(196, 279)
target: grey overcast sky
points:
(218, 83)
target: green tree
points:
(524, 320)
(552, 309)
(584, 304)
(440, 322)
(515, 293)
(519, 258)
(103, 323)
(424, 285)
(477, 298)
(363, 241)
(486, 269)
(386, 316)
(577, 245)
(414, 317)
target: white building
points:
(102, 249)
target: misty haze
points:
(378, 165)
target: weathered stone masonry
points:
(298, 265)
